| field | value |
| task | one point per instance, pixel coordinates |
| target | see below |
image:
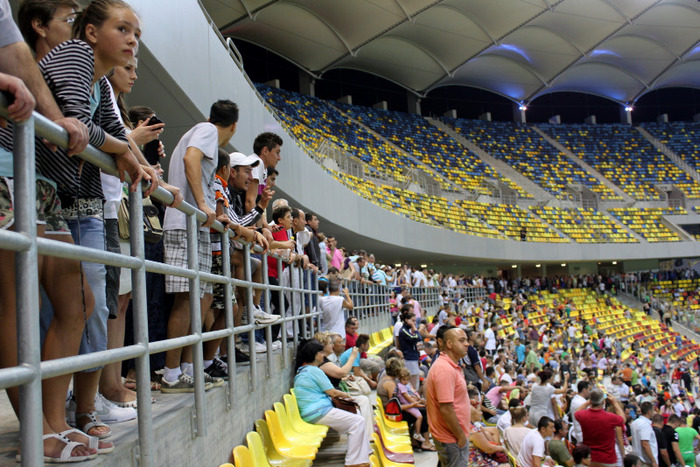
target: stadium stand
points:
(647, 222)
(680, 137)
(430, 145)
(624, 157)
(584, 225)
(526, 151)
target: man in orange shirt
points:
(447, 400)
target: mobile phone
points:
(154, 120)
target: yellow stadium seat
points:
(379, 452)
(285, 445)
(260, 458)
(275, 457)
(242, 457)
(298, 423)
(290, 432)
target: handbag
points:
(358, 387)
(152, 228)
(343, 403)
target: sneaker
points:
(260, 347)
(264, 318)
(241, 358)
(70, 409)
(217, 369)
(276, 345)
(243, 348)
(110, 413)
(215, 382)
(184, 383)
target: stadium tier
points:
(623, 156)
(526, 151)
(430, 145)
(647, 222)
(584, 225)
(315, 120)
(680, 137)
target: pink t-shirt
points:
(495, 395)
(446, 384)
(337, 261)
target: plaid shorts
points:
(48, 206)
(217, 267)
(175, 254)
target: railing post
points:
(27, 294)
(266, 300)
(251, 319)
(283, 314)
(140, 307)
(200, 404)
(228, 313)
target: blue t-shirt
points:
(520, 352)
(310, 386)
(345, 356)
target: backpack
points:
(392, 410)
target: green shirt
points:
(531, 358)
(558, 451)
(686, 435)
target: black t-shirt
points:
(670, 436)
(334, 381)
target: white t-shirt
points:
(111, 186)
(643, 431)
(490, 337)
(577, 402)
(332, 318)
(260, 174)
(205, 137)
(533, 445)
(397, 327)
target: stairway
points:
(620, 224)
(668, 152)
(577, 160)
(501, 167)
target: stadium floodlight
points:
(398, 265)
(614, 262)
(538, 265)
(522, 107)
(563, 265)
(628, 108)
(423, 266)
(514, 266)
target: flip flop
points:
(65, 457)
(94, 443)
(93, 423)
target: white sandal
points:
(93, 423)
(66, 452)
(94, 442)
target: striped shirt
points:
(68, 71)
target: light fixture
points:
(628, 108)
(423, 266)
(538, 265)
(522, 107)
(614, 262)
(398, 265)
(514, 266)
(563, 264)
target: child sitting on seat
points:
(409, 401)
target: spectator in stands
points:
(313, 392)
(338, 349)
(581, 455)
(192, 168)
(487, 450)
(643, 438)
(601, 429)
(632, 460)
(532, 450)
(514, 434)
(578, 400)
(332, 308)
(448, 405)
(557, 448)
(410, 401)
(671, 440)
(267, 147)
(16, 66)
(408, 344)
(657, 423)
(362, 344)
(541, 397)
(370, 365)
(686, 439)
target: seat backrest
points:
(242, 457)
(373, 461)
(273, 425)
(285, 422)
(257, 449)
(290, 404)
(264, 432)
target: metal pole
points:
(200, 405)
(266, 300)
(140, 308)
(27, 294)
(251, 319)
(283, 313)
(228, 310)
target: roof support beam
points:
(670, 65)
(329, 26)
(559, 34)
(619, 11)
(405, 12)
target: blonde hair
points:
(324, 337)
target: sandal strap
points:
(93, 423)
(93, 442)
(69, 445)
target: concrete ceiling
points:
(521, 49)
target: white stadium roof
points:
(521, 49)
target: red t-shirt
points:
(350, 340)
(280, 236)
(598, 428)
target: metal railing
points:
(24, 242)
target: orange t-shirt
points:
(446, 384)
(627, 374)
